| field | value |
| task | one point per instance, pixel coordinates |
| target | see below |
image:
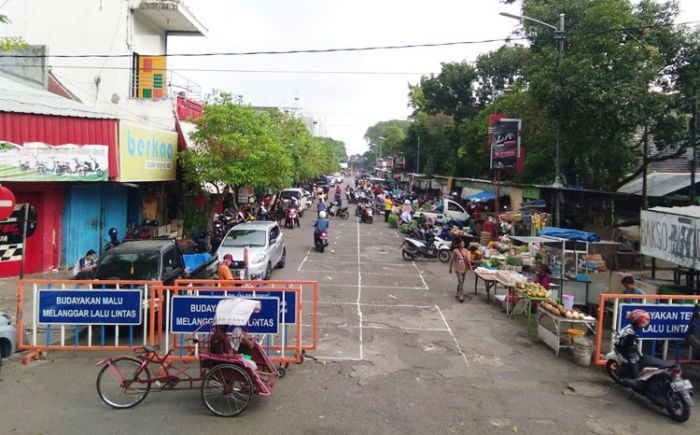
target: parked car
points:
(295, 192)
(155, 260)
(447, 209)
(266, 248)
(8, 337)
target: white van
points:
(295, 192)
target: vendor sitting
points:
(544, 276)
(474, 255)
(220, 342)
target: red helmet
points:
(639, 318)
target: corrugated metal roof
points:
(658, 184)
(18, 97)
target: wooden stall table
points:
(490, 282)
(553, 338)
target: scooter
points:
(341, 212)
(291, 218)
(367, 214)
(435, 248)
(88, 167)
(658, 380)
(321, 240)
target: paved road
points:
(397, 354)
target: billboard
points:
(145, 153)
(670, 237)
(504, 138)
(37, 161)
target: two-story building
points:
(87, 120)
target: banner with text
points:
(190, 313)
(670, 237)
(504, 138)
(668, 322)
(37, 161)
(146, 154)
(89, 307)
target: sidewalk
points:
(8, 290)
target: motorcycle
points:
(88, 167)
(24, 166)
(658, 380)
(340, 212)
(433, 248)
(367, 214)
(291, 218)
(321, 240)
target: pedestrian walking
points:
(460, 259)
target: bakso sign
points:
(670, 237)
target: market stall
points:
(552, 328)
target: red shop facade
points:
(43, 251)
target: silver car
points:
(8, 336)
(266, 248)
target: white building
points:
(135, 30)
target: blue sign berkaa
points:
(668, 322)
(90, 307)
(288, 303)
(192, 313)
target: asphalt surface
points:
(398, 354)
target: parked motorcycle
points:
(335, 211)
(435, 247)
(321, 240)
(660, 381)
(366, 216)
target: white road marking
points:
(449, 329)
(421, 275)
(337, 358)
(304, 260)
(431, 307)
(393, 287)
(359, 291)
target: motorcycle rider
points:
(294, 203)
(320, 207)
(638, 319)
(321, 224)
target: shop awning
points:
(172, 16)
(533, 239)
(482, 197)
(658, 184)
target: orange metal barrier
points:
(614, 299)
(283, 348)
(308, 317)
(43, 337)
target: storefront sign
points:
(36, 161)
(504, 138)
(90, 307)
(190, 313)
(668, 322)
(146, 154)
(670, 237)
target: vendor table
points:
(553, 339)
(490, 282)
(529, 300)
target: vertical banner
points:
(504, 138)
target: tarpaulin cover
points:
(482, 196)
(193, 261)
(569, 234)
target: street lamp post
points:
(418, 156)
(559, 35)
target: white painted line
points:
(464, 357)
(359, 291)
(304, 260)
(390, 328)
(342, 271)
(392, 287)
(336, 358)
(421, 275)
(431, 307)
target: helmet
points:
(639, 318)
(228, 257)
(407, 202)
(322, 214)
(112, 232)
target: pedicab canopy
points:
(235, 311)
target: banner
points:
(670, 237)
(90, 307)
(504, 138)
(668, 322)
(146, 154)
(191, 313)
(36, 161)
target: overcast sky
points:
(344, 104)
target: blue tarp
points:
(482, 196)
(569, 234)
(193, 261)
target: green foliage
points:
(193, 217)
(8, 43)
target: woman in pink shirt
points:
(460, 262)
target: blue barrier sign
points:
(668, 322)
(288, 303)
(189, 313)
(89, 307)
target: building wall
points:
(94, 27)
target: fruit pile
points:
(558, 309)
(532, 290)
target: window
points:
(131, 265)
(453, 206)
(241, 238)
(171, 259)
(274, 233)
(289, 194)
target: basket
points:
(572, 333)
(582, 351)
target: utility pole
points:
(418, 157)
(645, 168)
(693, 144)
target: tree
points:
(235, 146)
(451, 92)
(8, 43)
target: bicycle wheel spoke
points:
(128, 391)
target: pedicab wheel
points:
(282, 371)
(131, 391)
(227, 390)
